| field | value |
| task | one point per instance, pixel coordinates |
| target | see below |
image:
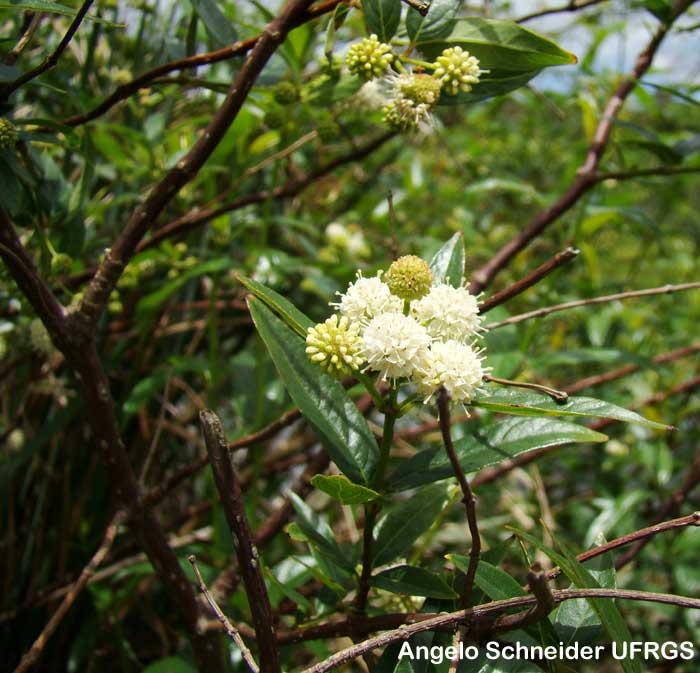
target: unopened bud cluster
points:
(369, 58)
(457, 71)
(406, 328)
(8, 134)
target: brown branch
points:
(691, 480)
(569, 7)
(556, 395)
(31, 23)
(50, 61)
(534, 277)
(486, 612)
(291, 188)
(443, 401)
(248, 561)
(546, 310)
(110, 269)
(585, 176)
(618, 373)
(146, 79)
(75, 589)
(231, 630)
(420, 6)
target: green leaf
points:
(321, 399)
(341, 488)
(52, 8)
(216, 22)
(382, 17)
(511, 53)
(448, 262)
(412, 582)
(510, 401)
(604, 607)
(500, 441)
(290, 593)
(320, 534)
(299, 322)
(437, 23)
(406, 522)
(494, 582)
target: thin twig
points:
(248, 560)
(230, 629)
(534, 277)
(619, 296)
(601, 176)
(485, 612)
(143, 81)
(420, 6)
(443, 400)
(585, 176)
(75, 589)
(50, 61)
(569, 7)
(31, 23)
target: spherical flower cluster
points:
(457, 70)
(454, 365)
(369, 58)
(285, 93)
(409, 277)
(402, 327)
(334, 345)
(39, 337)
(414, 98)
(394, 345)
(449, 313)
(367, 298)
(8, 134)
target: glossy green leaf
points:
(511, 53)
(321, 399)
(217, 24)
(525, 403)
(382, 17)
(412, 582)
(341, 488)
(437, 23)
(500, 441)
(406, 522)
(51, 8)
(604, 607)
(448, 262)
(299, 322)
(494, 582)
(320, 534)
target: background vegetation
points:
(137, 157)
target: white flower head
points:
(370, 96)
(414, 97)
(395, 345)
(449, 313)
(367, 298)
(454, 365)
(334, 345)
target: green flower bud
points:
(369, 58)
(8, 134)
(39, 337)
(335, 345)
(274, 119)
(328, 130)
(409, 277)
(61, 264)
(457, 70)
(285, 93)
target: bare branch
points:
(443, 400)
(231, 630)
(534, 277)
(572, 6)
(619, 296)
(248, 560)
(34, 652)
(585, 177)
(51, 60)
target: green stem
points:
(415, 61)
(367, 382)
(407, 405)
(372, 509)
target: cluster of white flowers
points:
(402, 326)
